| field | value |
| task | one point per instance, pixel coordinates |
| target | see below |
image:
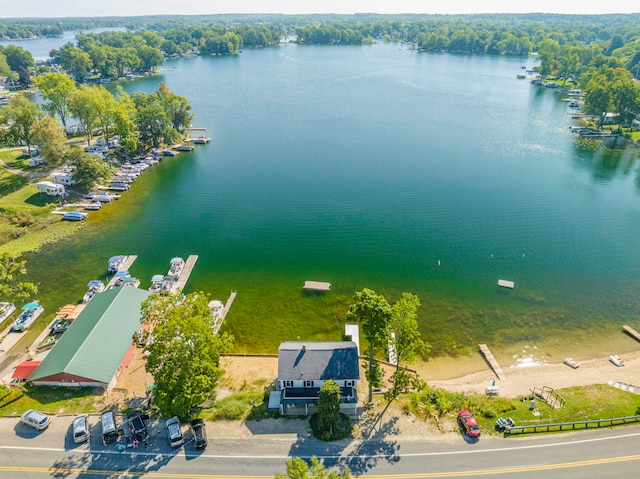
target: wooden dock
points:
(125, 266)
(225, 310)
(492, 361)
(317, 286)
(186, 272)
(631, 332)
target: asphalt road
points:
(27, 454)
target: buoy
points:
(438, 262)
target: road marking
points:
(426, 475)
(332, 457)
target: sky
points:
(85, 8)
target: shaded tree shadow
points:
(358, 454)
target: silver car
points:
(81, 428)
(174, 432)
(35, 419)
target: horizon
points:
(127, 8)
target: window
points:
(308, 384)
(288, 384)
(349, 384)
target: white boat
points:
(5, 310)
(216, 306)
(177, 265)
(115, 263)
(95, 286)
(92, 206)
(74, 216)
(616, 360)
(157, 281)
(30, 313)
(503, 283)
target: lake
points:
(381, 167)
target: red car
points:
(469, 423)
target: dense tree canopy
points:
(184, 352)
(11, 288)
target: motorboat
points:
(177, 265)
(115, 263)
(169, 153)
(216, 307)
(95, 286)
(29, 314)
(74, 216)
(616, 360)
(5, 310)
(201, 140)
(131, 281)
(92, 206)
(157, 281)
(185, 148)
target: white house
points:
(51, 189)
(304, 367)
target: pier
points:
(186, 272)
(492, 361)
(631, 332)
(125, 266)
(223, 314)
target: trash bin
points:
(532, 405)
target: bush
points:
(340, 430)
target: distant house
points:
(610, 119)
(304, 367)
(98, 345)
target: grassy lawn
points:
(46, 400)
(583, 403)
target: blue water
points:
(381, 167)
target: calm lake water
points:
(381, 167)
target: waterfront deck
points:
(317, 286)
(186, 272)
(125, 266)
(225, 310)
(492, 361)
(631, 332)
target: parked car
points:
(174, 432)
(199, 434)
(35, 419)
(81, 428)
(469, 423)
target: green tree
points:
(625, 97)
(184, 352)
(11, 288)
(57, 89)
(373, 313)
(597, 98)
(297, 468)
(406, 339)
(84, 105)
(5, 69)
(329, 423)
(123, 125)
(18, 57)
(89, 169)
(24, 114)
(75, 61)
(50, 138)
(176, 107)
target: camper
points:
(62, 178)
(109, 427)
(51, 189)
(36, 161)
(33, 150)
(97, 149)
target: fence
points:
(550, 396)
(561, 426)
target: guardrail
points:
(561, 426)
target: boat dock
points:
(506, 284)
(186, 272)
(125, 266)
(631, 332)
(225, 310)
(492, 361)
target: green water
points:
(385, 168)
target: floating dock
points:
(492, 361)
(125, 266)
(186, 272)
(317, 286)
(506, 284)
(631, 332)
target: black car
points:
(199, 434)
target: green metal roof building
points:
(98, 345)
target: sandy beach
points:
(523, 377)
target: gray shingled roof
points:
(319, 361)
(95, 344)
